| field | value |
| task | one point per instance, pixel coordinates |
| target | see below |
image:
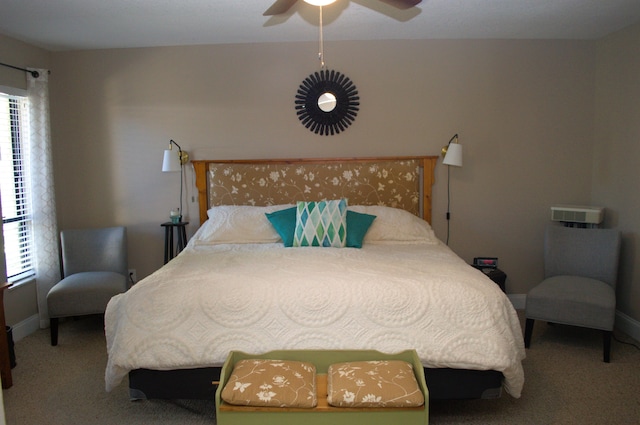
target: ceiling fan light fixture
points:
(280, 7)
(320, 2)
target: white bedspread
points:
(212, 299)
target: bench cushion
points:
(389, 383)
(272, 383)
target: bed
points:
(237, 287)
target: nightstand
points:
(497, 275)
(5, 350)
(180, 228)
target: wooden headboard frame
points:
(425, 163)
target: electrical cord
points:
(633, 344)
(448, 201)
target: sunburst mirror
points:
(327, 102)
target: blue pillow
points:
(284, 221)
(357, 227)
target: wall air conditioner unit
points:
(577, 214)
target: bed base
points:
(196, 384)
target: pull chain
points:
(321, 53)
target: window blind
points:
(17, 224)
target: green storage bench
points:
(323, 413)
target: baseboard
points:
(628, 325)
(519, 301)
(25, 328)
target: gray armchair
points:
(581, 270)
(94, 265)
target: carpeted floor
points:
(566, 383)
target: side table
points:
(496, 275)
(180, 228)
(5, 361)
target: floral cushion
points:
(389, 383)
(271, 383)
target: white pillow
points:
(393, 226)
(229, 224)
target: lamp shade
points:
(171, 161)
(453, 155)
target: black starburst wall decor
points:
(327, 102)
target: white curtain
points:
(45, 230)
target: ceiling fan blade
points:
(402, 4)
(279, 7)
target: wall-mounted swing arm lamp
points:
(452, 156)
(452, 153)
(173, 161)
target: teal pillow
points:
(284, 221)
(321, 223)
(357, 227)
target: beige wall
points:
(617, 153)
(525, 112)
(523, 109)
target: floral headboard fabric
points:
(399, 182)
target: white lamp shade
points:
(453, 155)
(171, 161)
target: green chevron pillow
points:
(321, 223)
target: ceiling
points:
(60, 25)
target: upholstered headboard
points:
(400, 182)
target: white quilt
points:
(212, 299)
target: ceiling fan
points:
(282, 6)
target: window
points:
(14, 186)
